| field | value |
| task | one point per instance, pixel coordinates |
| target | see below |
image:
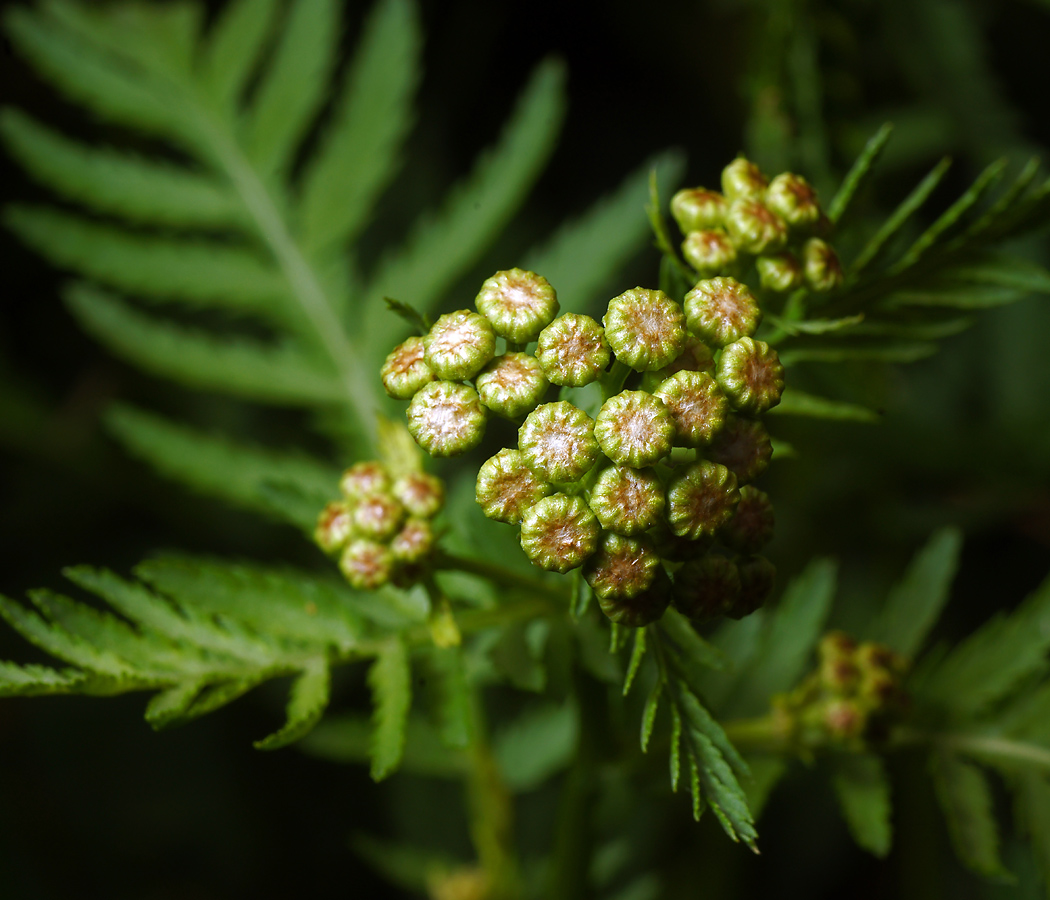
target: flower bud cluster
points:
(380, 529)
(776, 223)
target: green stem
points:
(980, 745)
(499, 575)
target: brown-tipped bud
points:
(780, 272)
(695, 209)
(573, 350)
(721, 310)
(377, 516)
(709, 252)
(446, 418)
(366, 564)
(519, 304)
(334, 526)
(645, 328)
(757, 575)
(627, 501)
(512, 385)
(507, 488)
(557, 441)
(742, 446)
(414, 542)
(559, 533)
(622, 567)
(420, 494)
(751, 375)
(839, 675)
(405, 370)
(820, 265)
(701, 500)
(364, 478)
(696, 356)
(697, 406)
(706, 588)
(844, 720)
(755, 229)
(742, 178)
(751, 527)
(836, 645)
(635, 429)
(791, 197)
(459, 344)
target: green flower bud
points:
(721, 310)
(420, 494)
(334, 526)
(506, 487)
(820, 265)
(559, 533)
(751, 527)
(519, 304)
(696, 357)
(366, 564)
(755, 229)
(557, 441)
(414, 542)
(791, 197)
(459, 344)
(836, 645)
(622, 567)
(405, 370)
(751, 375)
(446, 418)
(709, 252)
(696, 405)
(839, 675)
(742, 178)
(634, 429)
(695, 209)
(779, 272)
(642, 609)
(627, 501)
(845, 720)
(573, 350)
(756, 584)
(701, 500)
(377, 516)
(742, 446)
(645, 328)
(511, 385)
(706, 588)
(364, 478)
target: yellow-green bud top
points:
(709, 252)
(557, 441)
(697, 406)
(695, 209)
(559, 533)
(751, 375)
(573, 350)
(459, 344)
(645, 328)
(721, 310)
(701, 500)
(627, 501)
(635, 429)
(512, 384)
(405, 370)
(507, 488)
(446, 418)
(519, 304)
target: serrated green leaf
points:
(1002, 271)
(814, 326)
(34, 680)
(949, 295)
(170, 707)
(859, 172)
(637, 655)
(454, 698)
(966, 800)
(1032, 802)
(798, 403)
(694, 788)
(409, 313)
(692, 654)
(652, 704)
(307, 703)
(537, 744)
(915, 602)
(233, 48)
(863, 792)
(390, 679)
(886, 352)
(1006, 203)
(935, 330)
(676, 747)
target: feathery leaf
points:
(966, 799)
(391, 681)
(863, 792)
(306, 705)
(798, 403)
(859, 172)
(234, 46)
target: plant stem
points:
(498, 575)
(983, 746)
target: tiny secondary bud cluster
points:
(380, 530)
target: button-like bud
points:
(364, 478)
(334, 526)
(446, 418)
(635, 429)
(751, 375)
(696, 357)
(377, 516)
(519, 304)
(845, 720)
(559, 533)
(742, 178)
(697, 406)
(627, 501)
(721, 310)
(573, 350)
(511, 385)
(695, 209)
(709, 252)
(506, 487)
(755, 229)
(642, 609)
(645, 328)
(413, 543)
(557, 441)
(366, 564)
(779, 272)
(459, 344)
(701, 500)
(706, 588)
(405, 370)
(751, 527)
(622, 567)
(757, 575)
(791, 197)
(820, 265)
(742, 446)
(420, 494)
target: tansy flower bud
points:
(519, 304)
(878, 657)
(820, 265)
(459, 344)
(413, 543)
(742, 178)
(506, 487)
(696, 357)
(559, 533)
(405, 370)
(364, 478)
(645, 328)
(557, 441)
(334, 526)
(742, 446)
(755, 229)
(511, 385)
(573, 350)
(709, 252)
(756, 584)
(844, 719)
(627, 501)
(622, 567)
(634, 429)
(701, 500)
(706, 588)
(721, 310)
(695, 209)
(366, 564)
(446, 418)
(751, 527)
(642, 609)
(377, 516)
(751, 375)
(779, 272)
(420, 494)
(791, 197)
(696, 405)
